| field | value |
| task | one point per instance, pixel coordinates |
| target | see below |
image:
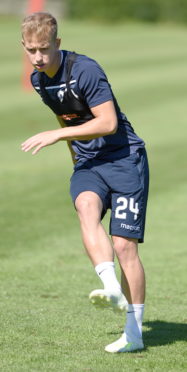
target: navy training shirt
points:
(89, 83)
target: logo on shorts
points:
(130, 227)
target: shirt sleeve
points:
(93, 84)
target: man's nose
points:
(38, 56)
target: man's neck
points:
(57, 63)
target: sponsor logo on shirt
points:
(69, 116)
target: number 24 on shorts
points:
(125, 204)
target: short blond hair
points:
(41, 24)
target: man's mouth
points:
(40, 66)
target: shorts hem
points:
(128, 235)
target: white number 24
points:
(124, 204)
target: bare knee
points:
(83, 205)
(125, 248)
(88, 206)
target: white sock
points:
(133, 328)
(106, 272)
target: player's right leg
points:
(99, 248)
(90, 196)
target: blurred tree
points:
(117, 10)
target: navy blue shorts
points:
(122, 185)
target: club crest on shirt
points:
(60, 95)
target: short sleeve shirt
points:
(89, 82)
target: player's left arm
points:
(104, 123)
(63, 125)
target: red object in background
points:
(35, 6)
(32, 6)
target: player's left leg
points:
(133, 276)
(127, 229)
(133, 284)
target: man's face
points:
(43, 53)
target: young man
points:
(110, 171)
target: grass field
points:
(47, 323)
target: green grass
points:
(47, 323)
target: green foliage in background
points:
(120, 10)
(47, 322)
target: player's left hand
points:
(40, 140)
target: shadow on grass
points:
(161, 333)
(164, 333)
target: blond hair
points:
(41, 24)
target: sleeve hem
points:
(99, 102)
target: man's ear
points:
(58, 42)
